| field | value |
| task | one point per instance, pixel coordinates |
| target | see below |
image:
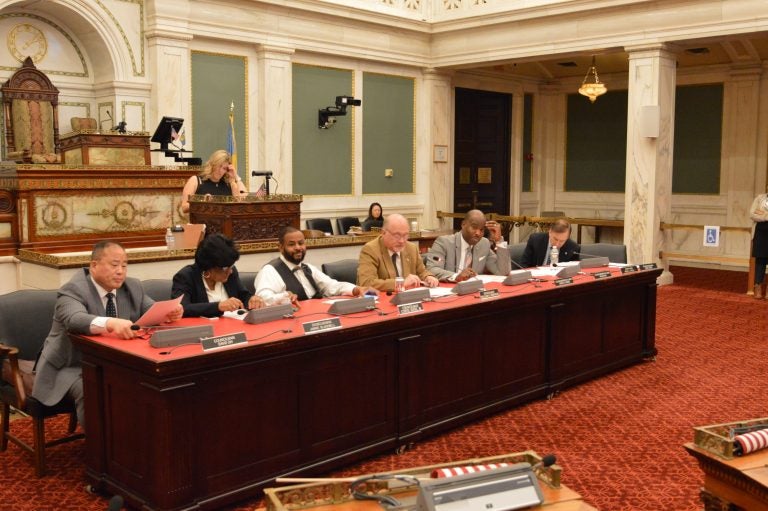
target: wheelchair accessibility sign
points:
(711, 235)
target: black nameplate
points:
(410, 308)
(223, 341)
(648, 266)
(321, 325)
(489, 293)
(628, 269)
(601, 274)
(564, 282)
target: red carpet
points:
(619, 439)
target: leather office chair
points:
(25, 320)
(345, 222)
(248, 279)
(344, 270)
(320, 224)
(614, 253)
(157, 289)
(30, 114)
(516, 254)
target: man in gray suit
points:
(461, 256)
(100, 299)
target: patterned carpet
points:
(619, 439)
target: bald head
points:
(394, 232)
(473, 226)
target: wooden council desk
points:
(187, 429)
(735, 484)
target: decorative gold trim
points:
(128, 46)
(87, 106)
(139, 104)
(63, 33)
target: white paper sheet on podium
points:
(158, 313)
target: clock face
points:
(27, 41)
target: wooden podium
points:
(246, 219)
(108, 148)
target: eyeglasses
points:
(398, 236)
(223, 269)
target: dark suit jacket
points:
(189, 282)
(538, 244)
(375, 268)
(77, 305)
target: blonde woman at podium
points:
(218, 177)
(759, 214)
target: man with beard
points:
(287, 278)
(461, 256)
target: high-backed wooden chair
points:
(30, 114)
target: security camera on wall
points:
(326, 117)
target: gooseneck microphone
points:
(261, 173)
(546, 461)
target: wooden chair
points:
(30, 113)
(25, 320)
(87, 124)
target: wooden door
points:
(482, 159)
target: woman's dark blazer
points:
(189, 282)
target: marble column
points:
(274, 128)
(549, 146)
(169, 66)
(438, 113)
(516, 143)
(741, 147)
(650, 137)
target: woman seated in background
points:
(218, 177)
(212, 285)
(375, 217)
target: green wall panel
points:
(596, 151)
(388, 133)
(211, 97)
(322, 158)
(698, 134)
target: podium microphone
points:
(546, 461)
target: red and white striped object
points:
(471, 469)
(753, 441)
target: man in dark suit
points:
(465, 254)
(390, 256)
(537, 250)
(100, 299)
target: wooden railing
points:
(708, 258)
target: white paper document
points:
(158, 313)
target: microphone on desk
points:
(261, 173)
(546, 461)
(153, 327)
